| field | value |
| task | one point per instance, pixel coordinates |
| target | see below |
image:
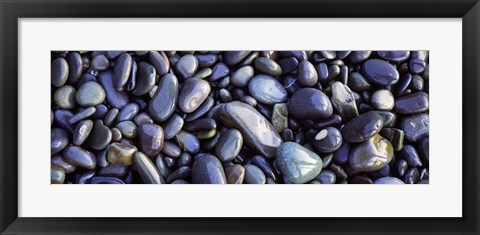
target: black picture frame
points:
(12, 10)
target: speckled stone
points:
(254, 175)
(297, 163)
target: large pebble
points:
(65, 97)
(258, 133)
(58, 140)
(307, 75)
(164, 101)
(186, 66)
(242, 76)
(159, 61)
(297, 163)
(194, 91)
(371, 155)
(268, 66)
(207, 169)
(100, 136)
(310, 103)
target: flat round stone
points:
(188, 142)
(242, 76)
(80, 157)
(90, 94)
(186, 66)
(297, 163)
(310, 103)
(388, 180)
(328, 140)
(380, 72)
(382, 100)
(128, 112)
(267, 90)
(100, 63)
(413, 103)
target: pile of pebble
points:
(239, 117)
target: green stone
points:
(280, 117)
(90, 94)
(371, 155)
(297, 163)
(64, 97)
(121, 154)
(57, 174)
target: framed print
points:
(255, 117)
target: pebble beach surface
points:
(239, 117)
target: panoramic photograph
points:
(239, 117)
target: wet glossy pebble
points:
(267, 90)
(401, 167)
(417, 66)
(82, 131)
(413, 103)
(57, 174)
(382, 100)
(90, 94)
(82, 115)
(121, 71)
(59, 72)
(360, 179)
(65, 97)
(388, 180)
(185, 159)
(219, 71)
(116, 98)
(357, 57)
(150, 138)
(307, 75)
(172, 126)
(340, 156)
(424, 149)
(362, 128)
(111, 116)
(208, 170)
(100, 63)
(200, 124)
(194, 91)
(395, 136)
(75, 66)
(58, 140)
(188, 142)
(326, 177)
(343, 101)
(145, 80)
(380, 72)
(410, 154)
(128, 112)
(356, 82)
(160, 62)
(186, 66)
(121, 154)
(162, 166)
(310, 103)
(80, 157)
(416, 126)
(328, 140)
(171, 149)
(105, 180)
(371, 155)
(389, 118)
(288, 64)
(201, 110)
(235, 174)
(268, 66)
(146, 169)
(253, 175)
(297, 163)
(229, 145)
(99, 137)
(128, 129)
(206, 60)
(164, 101)
(234, 57)
(258, 134)
(394, 56)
